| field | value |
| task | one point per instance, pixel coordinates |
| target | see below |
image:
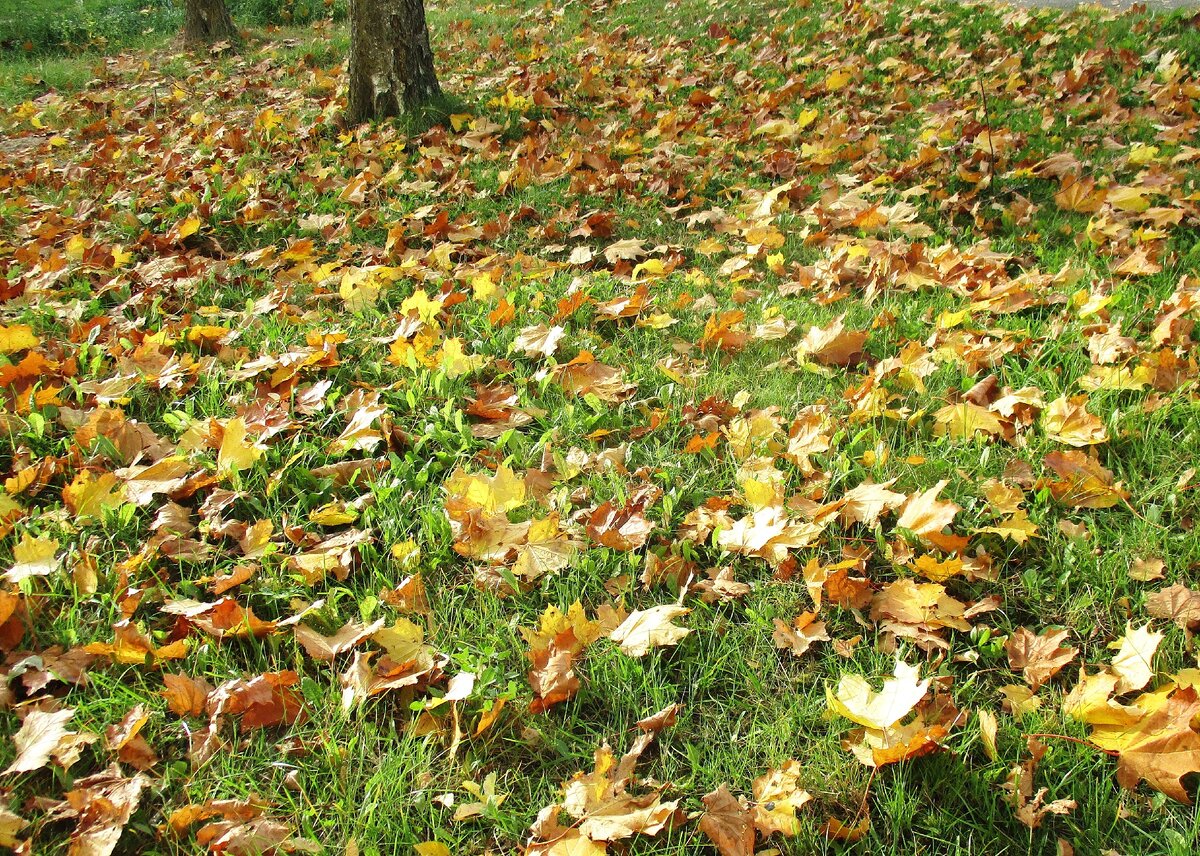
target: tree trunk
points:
(391, 63)
(208, 21)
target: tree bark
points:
(207, 22)
(391, 63)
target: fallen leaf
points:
(649, 628)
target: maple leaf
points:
(35, 557)
(493, 494)
(875, 747)
(728, 823)
(11, 825)
(664, 718)
(583, 376)
(125, 739)
(966, 419)
(1039, 657)
(102, 804)
(539, 340)
(619, 528)
(131, 646)
(855, 700)
(1160, 748)
(1177, 603)
(42, 735)
(1091, 701)
(769, 534)
(1132, 664)
(834, 345)
(926, 515)
(836, 830)
(185, 696)
(236, 453)
(17, 337)
(865, 503)
(777, 798)
(267, 699)
(1018, 528)
(650, 628)
(1031, 808)
(326, 648)
(601, 805)
(223, 618)
(1085, 483)
(1067, 421)
(799, 636)
(547, 550)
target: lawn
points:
(371, 489)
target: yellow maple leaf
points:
(858, 702)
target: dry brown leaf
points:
(728, 823)
(1039, 657)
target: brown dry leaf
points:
(1031, 808)
(800, 634)
(834, 830)
(728, 823)
(223, 618)
(555, 647)
(1039, 657)
(102, 805)
(650, 628)
(768, 533)
(409, 596)
(926, 515)
(1066, 420)
(539, 340)
(777, 798)
(865, 503)
(1085, 483)
(603, 808)
(583, 376)
(833, 345)
(126, 740)
(1161, 748)
(919, 611)
(39, 738)
(186, 696)
(619, 528)
(1176, 603)
(552, 676)
(1147, 570)
(326, 648)
(664, 718)
(267, 699)
(182, 818)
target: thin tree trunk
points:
(391, 63)
(208, 21)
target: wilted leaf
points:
(649, 628)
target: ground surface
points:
(727, 360)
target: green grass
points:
(211, 137)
